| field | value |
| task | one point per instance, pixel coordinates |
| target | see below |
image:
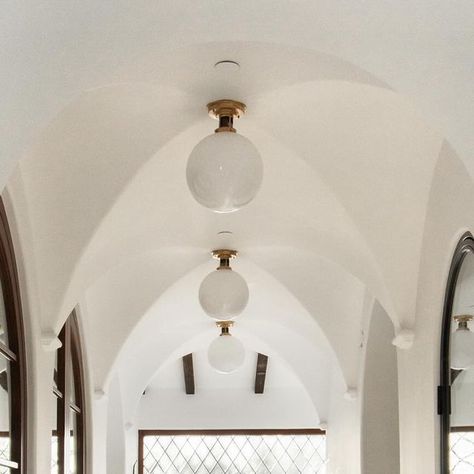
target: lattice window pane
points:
(229, 454)
(54, 454)
(4, 452)
(462, 452)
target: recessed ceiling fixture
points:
(227, 65)
(226, 353)
(223, 294)
(224, 170)
(462, 353)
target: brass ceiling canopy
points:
(224, 256)
(228, 107)
(224, 325)
(462, 320)
(225, 110)
(224, 253)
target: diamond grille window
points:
(4, 451)
(54, 454)
(234, 454)
(461, 452)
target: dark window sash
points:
(15, 351)
(70, 368)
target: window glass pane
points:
(461, 452)
(55, 442)
(461, 439)
(250, 454)
(71, 428)
(12, 392)
(4, 409)
(3, 319)
(73, 443)
(55, 374)
(71, 381)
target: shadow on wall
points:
(380, 423)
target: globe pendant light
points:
(223, 294)
(462, 340)
(226, 353)
(224, 170)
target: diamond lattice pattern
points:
(461, 452)
(4, 453)
(54, 454)
(233, 454)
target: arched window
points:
(68, 442)
(456, 390)
(12, 359)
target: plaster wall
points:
(226, 409)
(115, 431)
(343, 432)
(380, 431)
(450, 213)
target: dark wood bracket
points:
(262, 363)
(188, 374)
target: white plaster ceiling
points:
(273, 323)
(349, 104)
(226, 401)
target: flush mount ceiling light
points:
(462, 352)
(223, 294)
(224, 170)
(226, 353)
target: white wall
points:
(450, 213)
(380, 432)
(115, 431)
(221, 409)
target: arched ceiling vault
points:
(423, 51)
(273, 323)
(353, 174)
(348, 168)
(105, 101)
(333, 298)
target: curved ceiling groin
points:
(349, 142)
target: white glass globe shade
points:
(462, 352)
(223, 294)
(224, 171)
(226, 354)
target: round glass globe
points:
(226, 354)
(462, 352)
(224, 171)
(223, 294)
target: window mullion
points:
(64, 417)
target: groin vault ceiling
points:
(103, 107)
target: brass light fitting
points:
(225, 110)
(462, 320)
(224, 325)
(224, 256)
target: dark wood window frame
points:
(14, 352)
(70, 369)
(464, 247)
(249, 432)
